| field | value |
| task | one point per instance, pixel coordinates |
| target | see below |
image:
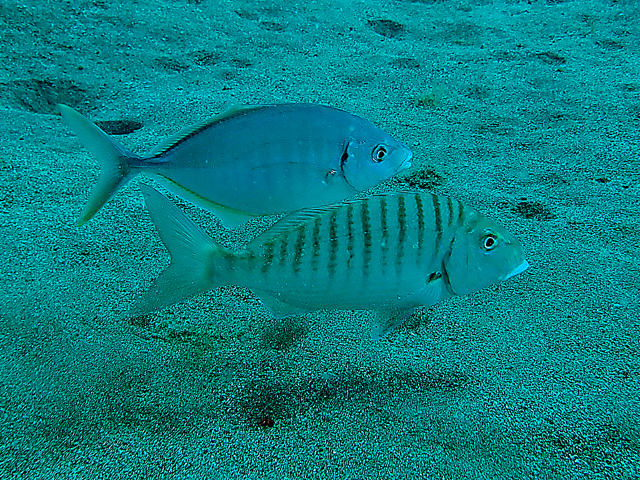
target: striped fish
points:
(389, 253)
(252, 161)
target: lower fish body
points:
(389, 253)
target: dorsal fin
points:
(182, 135)
(290, 222)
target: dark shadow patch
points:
(171, 64)
(7, 198)
(140, 321)
(626, 230)
(228, 74)
(605, 447)
(532, 210)
(205, 58)
(524, 146)
(273, 400)
(630, 87)
(609, 44)
(282, 334)
(553, 178)
(119, 127)
(246, 14)
(432, 97)
(507, 56)
(493, 127)
(497, 125)
(421, 317)
(478, 92)
(424, 178)
(241, 62)
(387, 28)
(267, 422)
(194, 344)
(129, 402)
(272, 26)
(41, 96)
(404, 62)
(155, 418)
(359, 388)
(550, 58)
(465, 34)
(267, 398)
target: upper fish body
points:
(388, 253)
(252, 161)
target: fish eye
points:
(379, 153)
(489, 242)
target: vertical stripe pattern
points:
(333, 242)
(420, 216)
(437, 212)
(385, 231)
(365, 218)
(350, 233)
(299, 248)
(402, 232)
(333, 252)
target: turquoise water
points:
(527, 111)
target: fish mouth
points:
(406, 164)
(519, 269)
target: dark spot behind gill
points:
(343, 162)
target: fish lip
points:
(406, 164)
(519, 269)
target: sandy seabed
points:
(527, 111)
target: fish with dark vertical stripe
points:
(332, 257)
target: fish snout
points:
(519, 269)
(406, 164)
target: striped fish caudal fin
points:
(114, 160)
(193, 254)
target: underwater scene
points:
(320, 240)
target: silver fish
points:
(252, 161)
(389, 253)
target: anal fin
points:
(277, 307)
(230, 217)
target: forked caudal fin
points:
(193, 256)
(114, 159)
